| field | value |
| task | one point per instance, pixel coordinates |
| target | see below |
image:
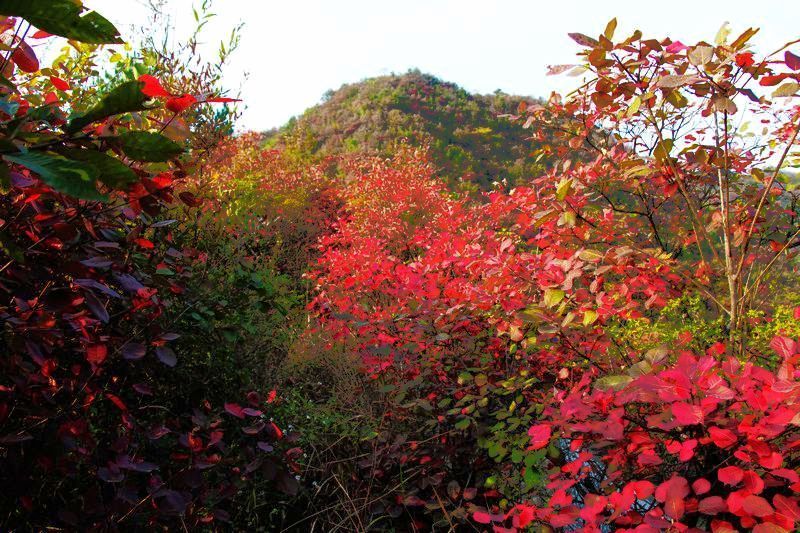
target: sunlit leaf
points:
(148, 146)
(65, 18)
(124, 98)
(69, 177)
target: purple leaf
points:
(134, 351)
(129, 283)
(97, 307)
(110, 475)
(143, 389)
(97, 262)
(94, 284)
(166, 356)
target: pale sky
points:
(295, 50)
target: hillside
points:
(468, 139)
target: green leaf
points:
(68, 177)
(149, 146)
(112, 171)
(124, 98)
(64, 18)
(531, 477)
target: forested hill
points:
(469, 140)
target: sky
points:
(292, 51)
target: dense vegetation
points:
(327, 328)
(471, 143)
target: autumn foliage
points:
(506, 361)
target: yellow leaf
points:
(633, 107)
(661, 153)
(589, 317)
(567, 219)
(563, 189)
(610, 27)
(590, 256)
(553, 297)
(722, 34)
(787, 89)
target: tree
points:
(694, 144)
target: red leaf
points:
(687, 414)
(25, 58)
(783, 346)
(540, 436)
(41, 34)
(116, 401)
(730, 475)
(189, 199)
(724, 438)
(152, 87)
(757, 506)
(235, 410)
(721, 526)
(59, 84)
(674, 507)
(786, 507)
(482, 517)
(792, 61)
(701, 486)
(179, 104)
(745, 59)
(221, 99)
(753, 482)
(145, 243)
(769, 81)
(96, 353)
(712, 505)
